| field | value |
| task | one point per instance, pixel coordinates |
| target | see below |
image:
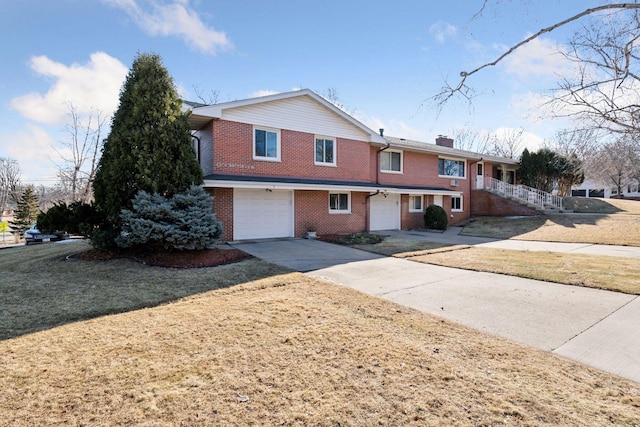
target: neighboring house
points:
(592, 188)
(284, 164)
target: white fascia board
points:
(323, 187)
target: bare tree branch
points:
(461, 88)
(79, 154)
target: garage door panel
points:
(260, 214)
(385, 212)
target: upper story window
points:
(325, 151)
(391, 161)
(415, 203)
(266, 144)
(454, 168)
(339, 203)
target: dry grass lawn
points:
(40, 290)
(610, 221)
(396, 246)
(602, 272)
(282, 349)
(617, 229)
(607, 221)
(604, 206)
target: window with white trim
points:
(325, 151)
(339, 203)
(415, 203)
(451, 168)
(266, 144)
(391, 161)
(456, 204)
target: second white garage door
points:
(385, 212)
(261, 214)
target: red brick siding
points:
(223, 208)
(488, 204)
(421, 169)
(312, 208)
(411, 220)
(233, 147)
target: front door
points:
(480, 176)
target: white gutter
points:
(323, 187)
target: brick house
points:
(284, 164)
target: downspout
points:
(193, 136)
(368, 202)
(378, 157)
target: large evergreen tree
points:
(546, 170)
(27, 211)
(149, 147)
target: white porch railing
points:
(530, 195)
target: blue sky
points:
(384, 59)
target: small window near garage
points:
(451, 168)
(325, 151)
(266, 144)
(415, 203)
(456, 204)
(391, 161)
(339, 203)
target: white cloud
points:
(33, 149)
(174, 19)
(263, 92)
(442, 31)
(539, 58)
(92, 86)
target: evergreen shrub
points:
(184, 221)
(435, 218)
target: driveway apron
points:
(592, 326)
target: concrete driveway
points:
(595, 327)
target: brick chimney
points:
(444, 141)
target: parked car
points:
(33, 235)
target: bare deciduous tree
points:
(331, 95)
(605, 90)
(579, 144)
(80, 154)
(472, 140)
(507, 144)
(9, 182)
(612, 164)
(210, 98)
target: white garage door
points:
(261, 214)
(385, 212)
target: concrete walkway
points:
(453, 237)
(595, 327)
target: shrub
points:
(183, 222)
(77, 218)
(358, 239)
(435, 218)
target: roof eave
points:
(276, 185)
